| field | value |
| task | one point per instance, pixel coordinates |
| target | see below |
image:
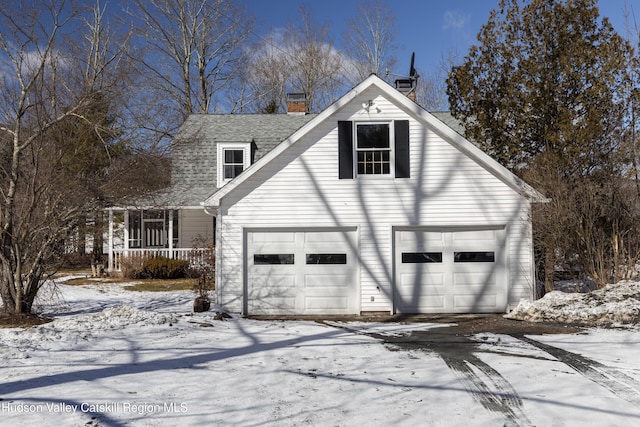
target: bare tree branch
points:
(370, 40)
(192, 51)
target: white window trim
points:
(244, 146)
(392, 165)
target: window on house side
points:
(233, 163)
(373, 149)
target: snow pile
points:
(613, 305)
(114, 318)
(77, 328)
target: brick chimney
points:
(407, 87)
(296, 103)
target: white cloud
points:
(29, 62)
(455, 20)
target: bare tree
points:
(315, 65)
(265, 77)
(301, 58)
(431, 92)
(370, 40)
(57, 136)
(189, 51)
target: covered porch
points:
(186, 234)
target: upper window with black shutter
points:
(373, 149)
(379, 148)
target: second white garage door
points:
(450, 271)
(301, 272)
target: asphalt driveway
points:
(462, 346)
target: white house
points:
(373, 205)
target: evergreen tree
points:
(543, 93)
(544, 79)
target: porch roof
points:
(177, 197)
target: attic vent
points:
(296, 103)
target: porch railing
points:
(196, 257)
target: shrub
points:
(164, 268)
(131, 267)
(75, 260)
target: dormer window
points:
(233, 162)
(233, 158)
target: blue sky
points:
(431, 28)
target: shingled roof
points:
(194, 159)
(448, 119)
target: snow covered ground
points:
(113, 357)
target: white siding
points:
(194, 225)
(301, 189)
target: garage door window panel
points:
(326, 258)
(273, 259)
(474, 257)
(421, 257)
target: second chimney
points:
(296, 103)
(407, 87)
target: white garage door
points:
(455, 271)
(301, 272)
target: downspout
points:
(218, 258)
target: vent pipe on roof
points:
(296, 103)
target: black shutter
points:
(401, 132)
(345, 150)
